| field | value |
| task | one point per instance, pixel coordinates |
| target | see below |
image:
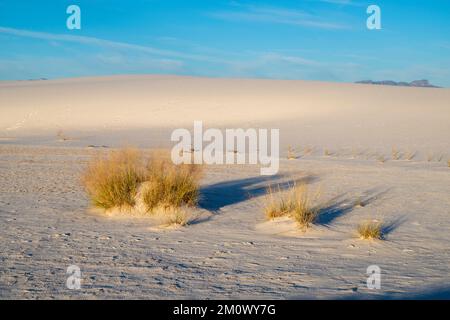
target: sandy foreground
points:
(50, 129)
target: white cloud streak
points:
(278, 16)
(105, 43)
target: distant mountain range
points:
(415, 83)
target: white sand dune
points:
(322, 114)
(232, 252)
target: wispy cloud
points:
(123, 57)
(278, 16)
(343, 2)
(104, 43)
(340, 2)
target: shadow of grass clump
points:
(215, 196)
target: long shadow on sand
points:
(340, 205)
(437, 292)
(216, 196)
(434, 292)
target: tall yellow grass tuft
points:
(295, 203)
(370, 230)
(113, 181)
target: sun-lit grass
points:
(396, 155)
(291, 153)
(177, 218)
(303, 210)
(410, 155)
(296, 203)
(115, 179)
(169, 185)
(370, 230)
(277, 205)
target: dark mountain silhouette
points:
(415, 83)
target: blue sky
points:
(305, 39)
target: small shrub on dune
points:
(370, 230)
(411, 155)
(303, 211)
(116, 180)
(395, 154)
(291, 154)
(177, 218)
(113, 180)
(381, 158)
(297, 204)
(277, 207)
(171, 186)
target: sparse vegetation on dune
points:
(381, 158)
(303, 211)
(359, 203)
(410, 155)
(371, 230)
(114, 181)
(277, 206)
(291, 153)
(396, 155)
(308, 150)
(295, 203)
(169, 185)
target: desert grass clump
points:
(61, 136)
(291, 153)
(371, 230)
(113, 180)
(296, 203)
(169, 185)
(308, 150)
(396, 155)
(177, 218)
(381, 158)
(448, 163)
(125, 179)
(360, 203)
(302, 209)
(277, 206)
(411, 155)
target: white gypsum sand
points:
(339, 132)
